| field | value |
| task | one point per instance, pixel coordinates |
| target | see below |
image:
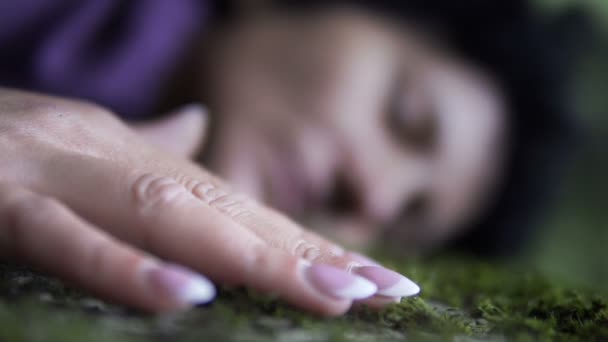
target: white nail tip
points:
(361, 288)
(403, 288)
(197, 291)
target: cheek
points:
(470, 111)
(460, 178)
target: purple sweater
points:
(118, 53)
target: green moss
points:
(461, 298)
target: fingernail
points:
(181, 284)
(337, 283)
(389, 283)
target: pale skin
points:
(99, 204)
(106, 205)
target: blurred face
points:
(361, 127)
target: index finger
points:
(162, 216)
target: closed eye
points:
(409, 119)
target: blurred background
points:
(573, 243)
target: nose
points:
(383, 183)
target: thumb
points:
(181, 133)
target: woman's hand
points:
(86, 198)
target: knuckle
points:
(320, 252)
(233, 204)
(103, 254)
(335, 250)
(207, 191)
(97, 255)
(151, 193)
(257, 258)
(306, 250)
(263, 257)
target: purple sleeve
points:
(114, 52)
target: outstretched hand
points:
(115, 210)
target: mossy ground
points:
(462, 299)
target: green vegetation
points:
(462, 299)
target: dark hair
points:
(532, 56)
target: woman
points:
(96, 202)
(426, 122)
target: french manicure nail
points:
(389, 283)
(337, 283)
(183, 285)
